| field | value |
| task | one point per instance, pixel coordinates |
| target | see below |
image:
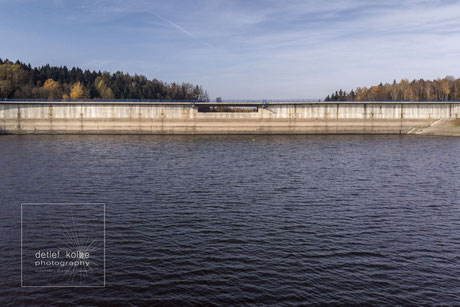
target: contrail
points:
(181, 29)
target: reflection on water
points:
(229, 220)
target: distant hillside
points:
(417, 90)
(21, 81)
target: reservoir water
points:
(269, 220)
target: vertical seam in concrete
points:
(19, 118)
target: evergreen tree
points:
(19, 80)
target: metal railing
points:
(225, 101)
(168, 100)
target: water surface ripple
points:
(229, 220)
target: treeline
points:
(21, 81)
(417, 90)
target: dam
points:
(284, 117)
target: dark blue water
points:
(231, 220)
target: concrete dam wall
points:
(116, 117)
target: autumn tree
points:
(11, 78)
(456, 90)
(104, 91)
(53, 89)
(428, 90)
(405, 90)
(77, 92)
(445, 85)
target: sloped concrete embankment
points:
(442, 127)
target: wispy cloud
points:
(239, 48)
(181, 29)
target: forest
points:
(417, 90)
(21, 81)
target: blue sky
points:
(239, 48)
